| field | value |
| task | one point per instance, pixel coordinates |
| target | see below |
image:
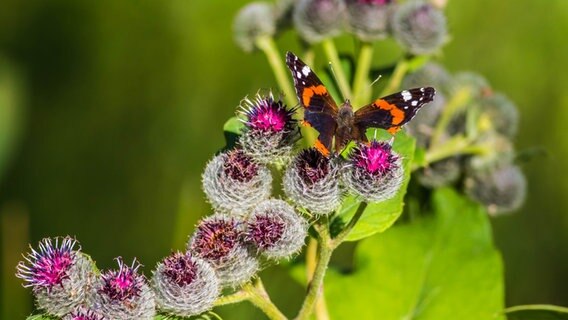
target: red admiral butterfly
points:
(321, 111)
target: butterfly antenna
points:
(335, 77)
(375, 81)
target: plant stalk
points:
(333, 56)
(345, 232)
(259, 298)
(268, 46)
(396, 78)
(460, 98)
(315, 286)
(360, 84)
(236, 297)
(311, 261)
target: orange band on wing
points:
(393, 130)
(306, 123)
(396, 113)
(309, 92)
(321, 148)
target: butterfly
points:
(322, 113)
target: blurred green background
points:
(110, 109)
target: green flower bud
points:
(440, 173)
(500, 189)
(369, 20)
(419, 27)
(501, 113)
(316, 20)
(252, 21)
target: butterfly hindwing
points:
(320, 110)
(393, 111)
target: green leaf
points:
(379, 216)
(537, 312)
(440, 266)
(232, 129)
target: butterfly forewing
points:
(393, 111)
(320, 110)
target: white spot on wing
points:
(298, 74)
(414, 103)
(306, 70)
(406, 95)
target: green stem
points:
(460, 98)
(268, 46)
(456, 146)
(333, 56)
(360, 84)
(316, 284)
(396, 78)
(343, 233)
(259, 297)
(236, 297)
(311, 262)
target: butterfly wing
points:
(393, 111)
(320, 110)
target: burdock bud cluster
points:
(270, 130)
(235, 182)
(61, 277)
(374, 172)
(311, 182)
(418, 26)
(469, 108)
(124, 293)
(185, 285)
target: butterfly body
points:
(343, 123)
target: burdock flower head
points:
(369, 19)
(124, 293)
(60, 276)
(275, 229)
(185, 285)
(270, 129)
(217, 240)
(316, 20)
(83, 314)
(234, 182)
(375, 172)
(311, 182)
(419, 27)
